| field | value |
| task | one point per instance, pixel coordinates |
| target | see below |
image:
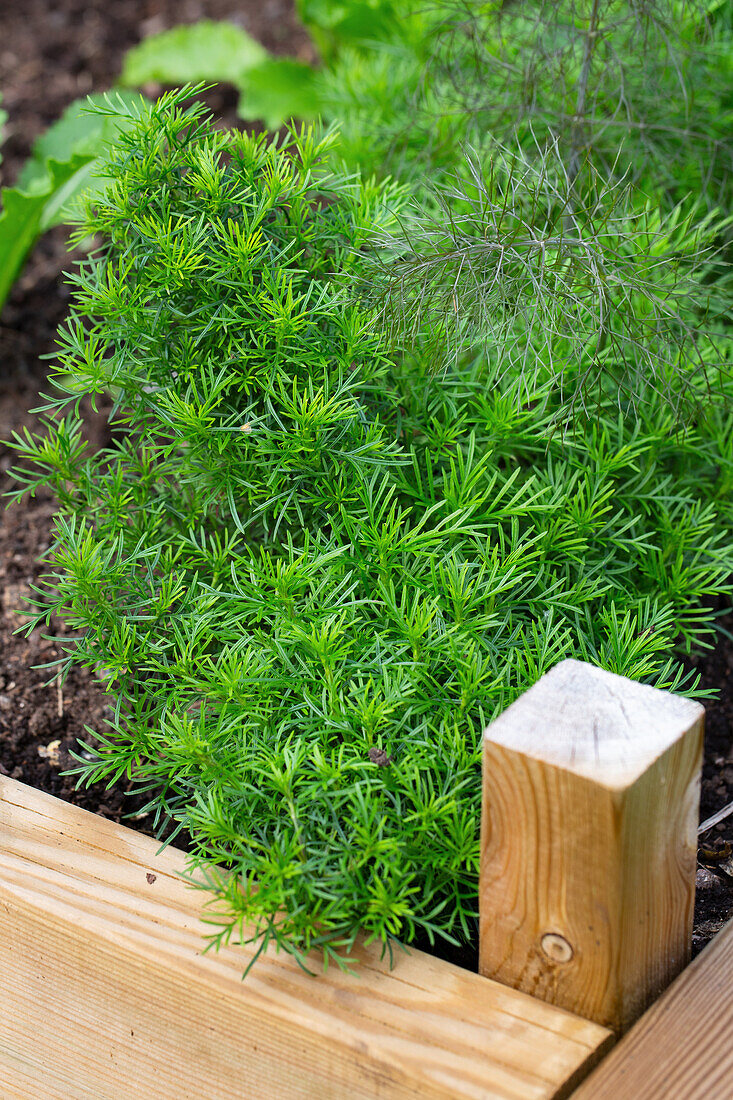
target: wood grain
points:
(682, 1047)
(106, 994)
(591, 791)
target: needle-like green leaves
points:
(314, 569)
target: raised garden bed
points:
(79, 50)
(101, 940)
(102, 962)
(94, 914)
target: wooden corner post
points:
(590, 804)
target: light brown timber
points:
(682, 1048)
(105, 993)
(589, 823)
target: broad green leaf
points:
(79, 132)
(201, 51)
(22, 217)
(358, 18)
(64, 163)
(278, 90)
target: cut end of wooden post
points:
(587, 883)
(594, 724)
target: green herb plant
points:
(311, 567)
(569, 165)
(640, 88)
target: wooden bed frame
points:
(586, 887)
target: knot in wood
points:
(556, 947)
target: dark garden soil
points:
(50, 53)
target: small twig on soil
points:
(59, 696)
(719, 816)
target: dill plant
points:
(311, 569)
(569, 164)
(596, 288)
(638, 88)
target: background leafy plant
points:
(640, 87)
(313, 567)
(278, 89)
(62, 165)
(273, 89)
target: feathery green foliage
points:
(570, 168)
(312, 568)
(639, 89)
(595, 287)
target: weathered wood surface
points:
(105, 994)
(682, 1048)
(591, 793)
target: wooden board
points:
(683, 1046)
(105, 993)
(589, 842)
